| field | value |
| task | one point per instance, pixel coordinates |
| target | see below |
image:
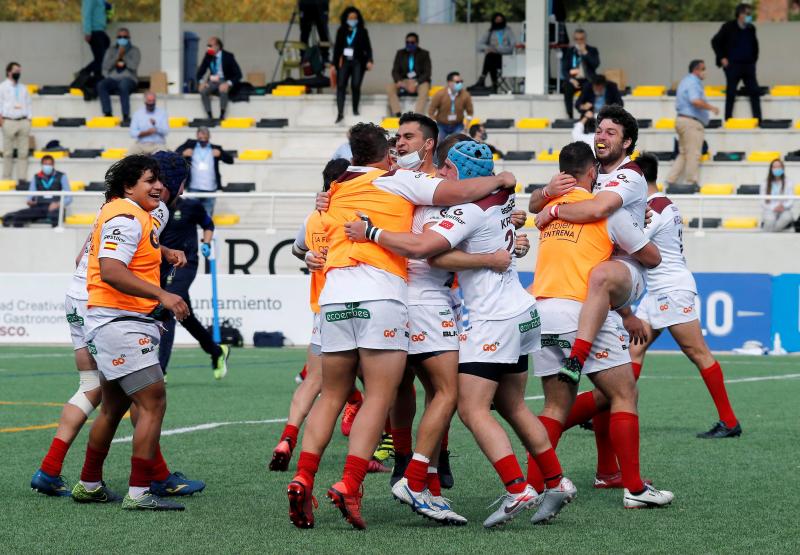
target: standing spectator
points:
(477, 132)
(411, 73)
(584, 129)
(777, 214)
(204, 157)
(352, 55)
(578, 66)
(314, 13)
(498, 41)
(94, 20)
(343, 150)
(598, 93)
(40, 207)
(449, 105)
(119, 66)
(224, 75)
(692, 108)
(736, 48)
(149, 127)
(15, 118)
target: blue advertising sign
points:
(786, 310)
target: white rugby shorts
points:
(431, 329)
(76, 319)
(316, 335)
(638, 284)
(662, 310)
(123, 347)
(501, 341)
(381, 324)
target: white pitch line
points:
(207, 426)
(763, 378)
(534, 397)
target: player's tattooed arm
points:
(559, 185)
(456, 260)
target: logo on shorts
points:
(445, 312)
(448, 323)
(390, 333)
(419, 337)
(92, 348)
(144, 341)
(74, 318)
(601, 355)
(663, 307)
(118, 361)
(351, 311)
(462, 337)
(553, 340)
(688, 309)
(534, 322)
(491, 347)
(149, 349)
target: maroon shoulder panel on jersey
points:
(347, 176)
(498, 198)
(658, 204)
(632, 166)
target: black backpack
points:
(228, 334)
(312, 62)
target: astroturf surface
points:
(734, 495)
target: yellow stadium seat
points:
(665, 123)
(495, 157)
(32, 89)
(741, 123)
(77, 185)
(785, 90)
(717, 189)
(76, 92)
(473, 121)
(740, 223)
(41, 121)
(797, 124)
(763, 156)
(434, 90)
(797, 189)
(114, 153)
(39, 154)
(545, 156)
(649, 90)
(103, 122)
(714, 90)
(635, 154)
(79, 219)
(255, 154)
(237, 123)
(530, 222)
(8, 184)
(390, 123)
(176, 122)
(289, 90)
(226, 219)
(533, 123)
(518, 188)
(705, 157)
(660, 187)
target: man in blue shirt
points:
(42, 207)
(692, 108)
(149, 127)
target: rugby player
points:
(567, 254)
(493, 358)
(364, 311)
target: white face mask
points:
(410, 161)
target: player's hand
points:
(724, 62)
(518, 218)
(175, 257)
(315, 261)
(560, 184)
(522, 245)
(543, 219)
(648, 216)
(175, 304)
(323, 201)
(635, 328)
(205, 249)
(507, 180)
(357, 231)
(501, 260)
(715, 110)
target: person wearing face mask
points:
(449, 105)
(15, 118)
(224, 76)
(478, 133)
(149, 127)
(119, 67)
(497, 42)
(204, 158)
(411, 74)
(736, 48)
(352, 56)
(578, 66)
(776, 214)
(42, 207)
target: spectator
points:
(41, 207)
(477, 132)
(498, 41)
(204, 157)
(598, 93)
(411, 73)
(584, 129)
(794, 10)
(352, 55)
(736, 48)
(119, 66)
(224, 75)
(314, 13)
(578, 66)
(94, 20)
(149, 127)
(692, 108)
(15, 118)
(777, 214)
(344, 151)
(449, 105)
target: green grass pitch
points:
(732, 496)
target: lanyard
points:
(500, 35)
(351, 37)
(17, 89)
(452, 101)
(575, 60)
(202, 153)
(411, 62)
(49, 183)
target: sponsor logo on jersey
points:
(115, 235)
(622, 177)
(601, 355)
(553, 340)
(534, 322)
(109, 246)
(491, 347)
(612, 184)
(153, 239)
(455, 216)
(351, 311)
(447, 224)
(561, 230)
(92, 348)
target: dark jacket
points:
(362, 47)
(225, 157)
(230, 67)
(181, 230)
(590, 61)
(587, 95)
(422, 65)
(724, 41)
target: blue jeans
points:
(446, 129)
(123, 87)
(207, 202)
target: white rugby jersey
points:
(666, 231)
(484, 227)
(426, 285)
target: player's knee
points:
(468, 413)
(88, 395)
(600, 278)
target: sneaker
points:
(571, 371)
(613, 481)
(220, 364)
(376, 467)
(511, 504)
(148, 501)
(301, 504)
(399, 470)
(418, 501)
(350, 412)
(101, 494)
(648, 499)
(53, 486)
(176, 485)
(281, 456)
(445, 473)
(554, 500)
(720, 430)
(385, 449)
(444, 514)
(349, 504)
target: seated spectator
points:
(776, 214)
(477, 132)
(15, 119)
(224, 75)
(42, 207)
(204, 159)
(449, 105)
(149, 127)
(498, 41)
(119, 67)
(578, 67)
(598, 93)
(411, 73)
(584, 129)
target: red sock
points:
(290, 432)
(510, 474)
(304, 372)
(535, 477)
(355, 397)
(550, 467)
(554, 429)
(417, 474)
(141, 472)
(93, 465)
(581, 350)
(445, 439)
(583, 409)
(307, 466)
(606, 457)
(624, 432)
(54, 459)
(433, 483)
(355, 469)
(160, 468)
(637, 370)
(716, 387)
(402, 440)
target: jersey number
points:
(510, 239)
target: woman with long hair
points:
(352, 56)
(777, 214)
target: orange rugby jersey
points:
(317, 241)
(145, 264)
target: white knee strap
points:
(89, 381)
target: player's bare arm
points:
(117, 275)
(451, 192)
(648, 256)
(559, 185)
(634, 326)
(174, 257)
(591, 210)
(83, 249)
(518, 218)
(456, 260)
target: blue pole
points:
(212, 262)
